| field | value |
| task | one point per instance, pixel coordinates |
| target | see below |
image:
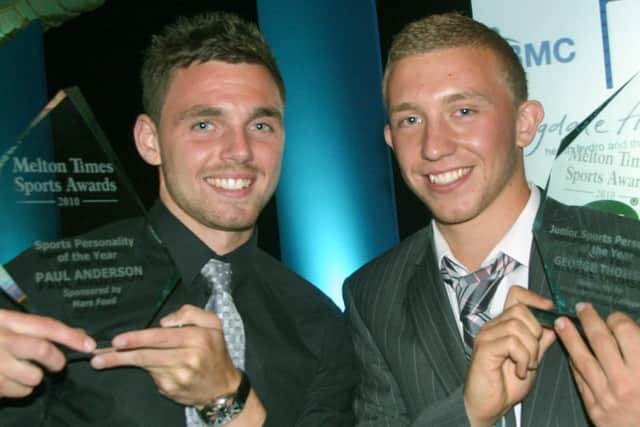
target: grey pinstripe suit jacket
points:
(410, 353)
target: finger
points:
(147, 358)
(48, 328)
(191, 315)
(170, 338)
(498, 350)
(584, 389)
(173, 371)
(601, 339)
(165, 338)
(548, 338)
(24, 347)
(524, 315)
(513, 335)
(520, 295)
(20, 371)
(627, 334)
(13, 389)
(581, 356)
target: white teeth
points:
(448, 177)
(229, 183)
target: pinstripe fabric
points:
(409, 349)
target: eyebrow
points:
(448, 99)
(266, 112)
(208, 111)
(200, 111)
(462, 96)
(404, 106)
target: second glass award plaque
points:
(591, 253)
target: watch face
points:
(223, 411)
(223, 402)
(225, 408)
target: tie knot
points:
(456, 276)
(218, 274)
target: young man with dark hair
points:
(271, 349)
(440, 323)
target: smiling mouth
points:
(230, 183)
(448, 177)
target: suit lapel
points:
(553, 399)
(435, 326)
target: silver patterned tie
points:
(474, 292)
(218, 276)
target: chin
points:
(453, 216)
(233, 223)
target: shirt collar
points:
(189, 253)
(516, 242)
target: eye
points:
(202, 126)
(409, 121)
(263, 127)
(465, 111)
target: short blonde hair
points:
(452, 30)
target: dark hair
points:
(452, 30)
(213, 36)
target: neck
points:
(220, 241)
(472, 241)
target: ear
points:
(146, 137)
(387, 136)
(530, 115)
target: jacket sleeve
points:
(379, 401)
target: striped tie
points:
(474, 292)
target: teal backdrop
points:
(23, 93)
(336, 205)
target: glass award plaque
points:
(90, 258)
(591, 249)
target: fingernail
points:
(168, 318)
(581, 306)
(559, 323)
(97, 362)
(89, 344)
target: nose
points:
(237, 147)
(438, 140)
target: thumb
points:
(548, 337)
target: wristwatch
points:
(226, 408)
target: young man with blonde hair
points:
(440, 323)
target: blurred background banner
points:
(576, 54)
(17, 14)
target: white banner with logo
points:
(576, 53)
